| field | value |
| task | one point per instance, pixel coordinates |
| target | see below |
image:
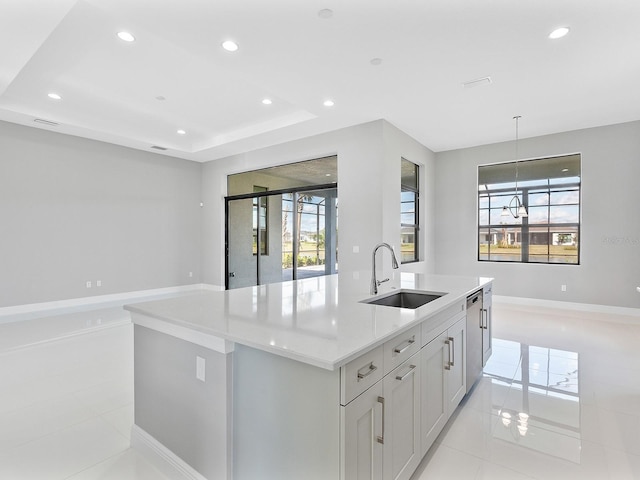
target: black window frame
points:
(522, 229)
(261, 232)
(415, 226)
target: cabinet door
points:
(434, 358)
(401, 392)
(486, 325)
(362, 423)
(457, 368)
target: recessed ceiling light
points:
(55, 96)
(160, 98)
(126, 37)
(559, 33)
(267, 101)
(325, 13)
(230, 45)
(375, 61)
(328, 103)
(565, 169)
(181, 132)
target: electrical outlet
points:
(88, 284)
(563, 288)
(98, 283)
(190, 274)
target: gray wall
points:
(73, 210)
(192, 418)
(610, 239)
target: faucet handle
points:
(382, 281)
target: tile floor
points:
(66, 406)
(560, 399)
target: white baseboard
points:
(111, 299)
(169, 464)
(583, 307)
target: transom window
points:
(549, 190)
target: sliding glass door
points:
(273, 236)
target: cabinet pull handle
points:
(485, 314)
(452, 353)
(447, 365)
(410, 342)
(369, 370)
(402, 377)
(452, 349)
(481, 318)
(380, 438)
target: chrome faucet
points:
(394, 263)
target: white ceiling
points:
(291, 55)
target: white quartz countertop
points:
(320, 321)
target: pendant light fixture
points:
(515, 208)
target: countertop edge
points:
(190, 332)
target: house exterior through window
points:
(549, 189)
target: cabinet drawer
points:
(401, 347)
(359, 374)
(431, 327)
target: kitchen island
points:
(299, 379)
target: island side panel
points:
(190, 417)
(286, 418)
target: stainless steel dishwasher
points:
(474, 338)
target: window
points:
(549, 188)
(260, 221)
(409, 224)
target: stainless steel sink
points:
(405, 299)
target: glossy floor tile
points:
(66, 405)
(559, 399)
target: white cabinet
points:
(363, 435)
(487, 309)
(360, 374)
(381, 426)
(443, 379)
(434, 357)
(457, 368)
(401, 393)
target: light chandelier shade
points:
(515, 208)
